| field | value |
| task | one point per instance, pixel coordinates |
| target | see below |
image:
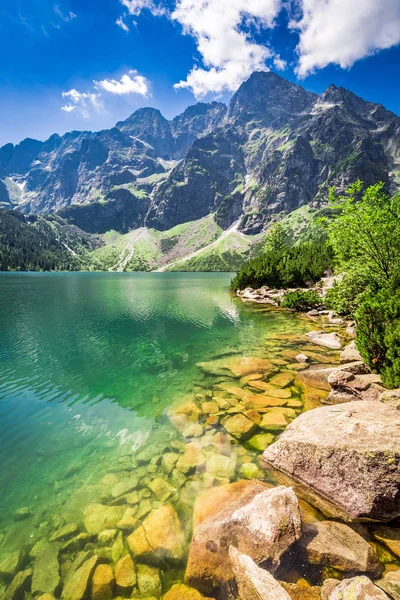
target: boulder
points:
(125, 574)
(391, 397)
(65, 533)
(302, 591)
(46, 573)
(180, 591)
(350, 353)
(98, 517)
(390, 584)
(236, 366)
(19, 585)
(160, 537)
(161, 489)
(347, 458)
(390, 536)
(282, 379)
(302, 358)
(221, 466)
(186, 414)
(356, 588)
(336, 545)
(192, 458)
(328, 340)
(240, 427)
(102, 583)
(262, 527)
(10, 562)
(78, 579)
(125, 486)
(261, 441)
(253, 583)
(149, 582)
(211, 502)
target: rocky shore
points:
(277, 477)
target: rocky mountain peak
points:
(267, 97)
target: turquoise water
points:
(89, 365)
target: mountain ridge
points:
(275, 148)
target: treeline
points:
(361, 243)
(30, 243)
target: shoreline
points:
(135, 535)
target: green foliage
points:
(365, 233)
(378, 333)
(344, 296)
(301, 300)
(295, 266)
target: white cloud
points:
(130, 83)
(135, 7)
(221, 29)
(67, 17)
(121, 23)
(69, 107)
(84, 102)
(344, 31)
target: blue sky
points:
(85, 64)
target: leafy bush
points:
(285, 267)
(344, 296)
(378, 334)
(301, 300)
(365, 233)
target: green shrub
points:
(285, 267)
(378, 334)
(301, 300)
(344, 296)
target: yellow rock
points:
(102, 583)
(282, 379)
(270, 389)
(125, 573)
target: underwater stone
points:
(161, 489)
(65, 533)
(240, 427)
(98, 517)
(149, 581)
(77, 581)
(102, 583)
(9, 562)
(125, 574)
(221, 466)
(337, 545)
(356, 588)
(18, 586)
(46, 573)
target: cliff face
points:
(275, 148)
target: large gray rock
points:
(336, 545)
(328, 340)
(252, 582)
(356, 588)
(263, 528)
(347, 457)
(350, 353)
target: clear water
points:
(89, 365)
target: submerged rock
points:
(98, 517)
(390, 584)
(10, 562)
(46, 573)
(390, 536)
(328, 340)
(236, 366)
(159, 537)
(356, 588)
(78, 578)
(180, 591)
(149, 582)
(252, 582)
(240, 427)
(19, 585)
(102, 583)
(347, 456)
(336, 545)
(263, 526)
(125, 574)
